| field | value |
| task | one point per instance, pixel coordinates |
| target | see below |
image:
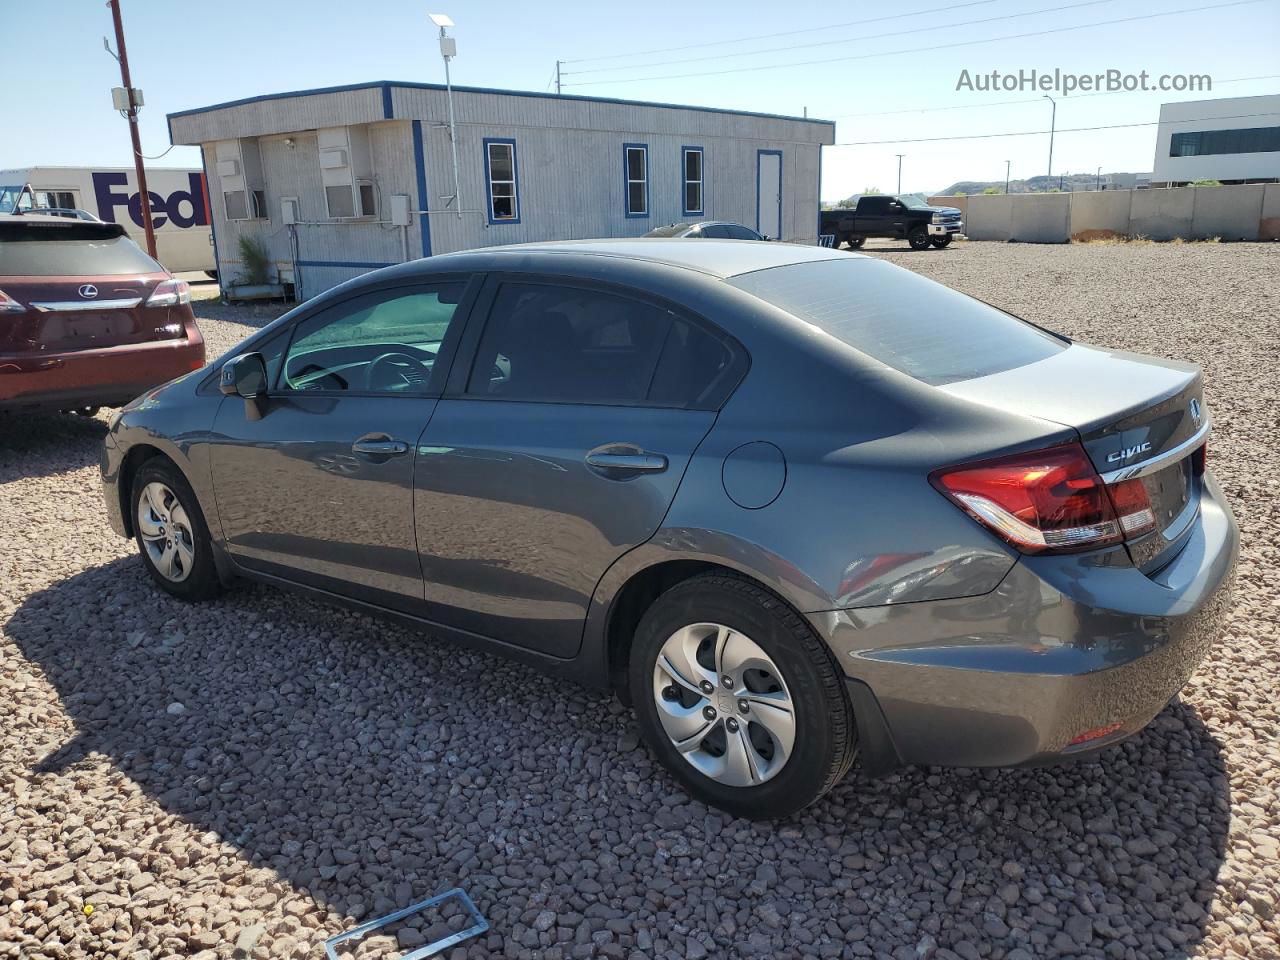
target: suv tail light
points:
(10, 305)
(1048, 501)
(170, 293)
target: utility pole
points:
(1098, 183)
(558, 62)
(131, 114)
(1006, 178)
(900, 156)
(1053, 123)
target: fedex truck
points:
(179, 205)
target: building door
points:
(769, 193)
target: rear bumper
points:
(1064, 646)
(110, 376)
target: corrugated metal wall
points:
(569, 156)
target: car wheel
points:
(918, 238)
(856, 242)
(940, 242)
(739, 698)
(171, 532)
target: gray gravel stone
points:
(330, 767)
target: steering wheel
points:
(409, 369)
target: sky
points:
(884, 70)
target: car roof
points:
(719, 258)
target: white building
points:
(342, 180)
(1235, 140)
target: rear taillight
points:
(1200, 459)
(10, 305)
(1048, 501)
(170, 293)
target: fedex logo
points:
(163, 209)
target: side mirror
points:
(244, 376)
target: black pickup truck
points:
(905, 217)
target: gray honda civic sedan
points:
(797, 507)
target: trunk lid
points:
(1137, 416)
(59, 317)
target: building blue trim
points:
(626, 183)
(488, 181)
(505, 93)
(208, 208)
(420, 169)
(819, 193)
(358, 264)
(388, 111)
(778, 154)
(684, 181)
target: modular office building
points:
(338, 181)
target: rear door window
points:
(912, 324)
(735, 232)
(562, 343)
(873, 206)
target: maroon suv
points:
(86, 318)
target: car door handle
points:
(380, 447)
(633, 462)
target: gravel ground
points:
(247, 777)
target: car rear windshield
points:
(914, 325)
(75, 249)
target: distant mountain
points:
(1072, 181)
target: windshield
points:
(905, 321)
(9, 195)
(673, 230)
(915, 199)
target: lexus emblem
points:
(1195, 411)
(88, 291)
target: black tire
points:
(918, 237)
(856, 243)
(941, 241)
(200, 581)
(825, 735)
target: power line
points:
(940, 46)
(1005, 103)
(784, 33)
(1030, 133)
(860, 39)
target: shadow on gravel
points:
(45, 444)
(368, 766)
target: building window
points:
(1203, 143)
(691, 158)
(502, 181)
(236, 205)
(635, 170)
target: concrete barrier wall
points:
(1269, 224)
(1041, 218)
(990, 218)
(1102, 210)
(1248, 211)
(1162, 214)
(1232, 213)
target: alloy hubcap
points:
(166, 532)
(724, 704)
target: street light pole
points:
(1006, 178)
(144, 196)
(1053, 123)
(900, 156)
(1097, 185)
(449, 50)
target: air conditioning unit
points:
(346, 171)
